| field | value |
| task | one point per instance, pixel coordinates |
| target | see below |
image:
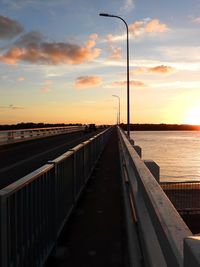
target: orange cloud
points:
(12, 56)
(52, 53)
(134, 28)
(155, 26)
(116, 52)
(110, 38)
(137, 71)
(20, 79)
(46, 89)
(197, 20)
(158, 69)
(162, 69)
(134, 83)
(17, 108)
(140, 27)
(87, 81)
(48, 82)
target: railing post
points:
(3, 233)
(191, 251)
(154, 169)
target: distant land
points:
(31, 125)
(161, 127)
(133, 127)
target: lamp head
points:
(105, 15)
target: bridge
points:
(96, 204)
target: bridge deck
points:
(94, 234)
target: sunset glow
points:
(193, 116)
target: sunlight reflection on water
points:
(176, 152)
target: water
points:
(176, 152)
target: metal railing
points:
(12, 136)
(34, 209)
(185, 196)
(164, 238)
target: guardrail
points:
(164, 238)
(34, 209)
(12, 136)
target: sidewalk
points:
(93, 236)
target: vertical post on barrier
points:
(3, 232)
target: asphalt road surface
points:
(20, 159)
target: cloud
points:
(32, 48)
(87, 81)
(161, 69)
(48, 82)
(138, 71)
(197, 20)
(110, 38)
(140, 27)
(12, 107)
(46, 89)
(124, 83)
(116, 52)
(20, 79)
(17, 108)
(128, 6)
(155, 26)
(20, 4)
(136, 28)
(9, 28)
(32, 37)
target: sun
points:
(193, 116)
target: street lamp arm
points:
(113, 16)
(128, 109)
(119, 105)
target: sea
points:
(176, 152)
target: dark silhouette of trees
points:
(161, 127)
(31, 125)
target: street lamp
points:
(128, 110)
(119, 107)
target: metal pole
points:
(128, 109)
(119, 106)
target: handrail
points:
(161, 229)
(19, 135)
(34, 209)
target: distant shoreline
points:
(133, 127)
(161, 127)
(32, 125)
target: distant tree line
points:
(30, 125)
(161, 127)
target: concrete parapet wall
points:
(161, 229)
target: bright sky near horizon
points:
(60, 62)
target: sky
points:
(60, 62)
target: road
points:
(20, 159)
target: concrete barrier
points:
(161, 230)
(14, 136)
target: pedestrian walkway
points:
(94, 236)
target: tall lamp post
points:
(119, 107)
(128, 110)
